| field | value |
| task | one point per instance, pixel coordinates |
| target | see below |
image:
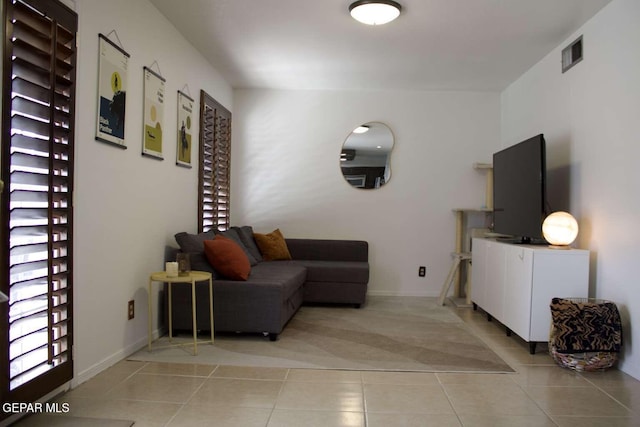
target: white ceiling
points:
(433, 45)
(378, 140)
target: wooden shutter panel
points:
(215, 165)
(37, 167)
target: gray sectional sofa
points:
(320, 271)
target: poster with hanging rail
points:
(153, 114)
(185, 130)
(113, 64)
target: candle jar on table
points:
(184, 264)
(171, 268)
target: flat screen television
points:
(519, 190)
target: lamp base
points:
(561, 247)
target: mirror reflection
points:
(365, 160)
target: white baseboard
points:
(402, 294)
(87, 374)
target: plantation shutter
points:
(36, 209)
(215, 165)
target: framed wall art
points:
(153, 114)
(113, 64)
(185, 130)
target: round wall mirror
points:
(365, 159)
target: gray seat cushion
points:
(289, 276)
(335, 271)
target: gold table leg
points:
(193, 313)
(211, 306)
(149, 315)
(170, 315)
(459, 245)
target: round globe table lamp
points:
(560, 229)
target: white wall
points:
(589, 116)
(128, 207)
(286, 173)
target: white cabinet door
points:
(517, 289)
(557, 273)
(495, 280)
(515, 283)
(479, 272)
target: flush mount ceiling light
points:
(375, 12)
(361, 129)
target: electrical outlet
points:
(422, 271)
(131, 309)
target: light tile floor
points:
(538, 394)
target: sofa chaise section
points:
(263, 304)
(337, 270)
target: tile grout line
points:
(525, 380)
(184, 404)
(365, 411)
(444, 390)
(535, 402)
(550, 416)
(494, 348)
(273, 408)
(631, 411)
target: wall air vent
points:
(572, 54)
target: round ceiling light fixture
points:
(375, 12)
(361, 129)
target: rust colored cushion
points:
(227, 258)
(272, 246)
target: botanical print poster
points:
(153, 113)
(185, 130)
(113, 63)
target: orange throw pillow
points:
(272, 246)
(227, 258)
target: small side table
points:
(193, 278)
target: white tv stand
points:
(515, 283)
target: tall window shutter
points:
(36, 210)
(215, 165)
